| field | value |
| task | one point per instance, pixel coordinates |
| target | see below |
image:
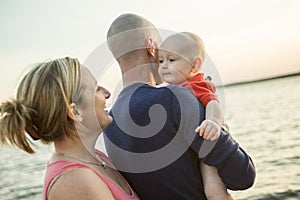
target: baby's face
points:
(173, 67)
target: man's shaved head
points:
(129, 33)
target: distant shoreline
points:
(261, 80)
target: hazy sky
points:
(245, 40)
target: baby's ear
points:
(197, 63)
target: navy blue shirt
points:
(152, 141)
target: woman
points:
(59, 102)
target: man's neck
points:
(137, 74)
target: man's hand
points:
(209, 130)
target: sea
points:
(264, 117)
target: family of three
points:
(162, 143)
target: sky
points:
(245, 40)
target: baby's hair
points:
(41, 105)
(199, 42)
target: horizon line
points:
(260, 80)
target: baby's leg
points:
(213, 186)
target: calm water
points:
(264, 117)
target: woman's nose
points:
(105, 92)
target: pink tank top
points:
(56, 168)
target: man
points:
(152, 139)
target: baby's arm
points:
(210, 128)
(214, 188)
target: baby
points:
(180, 58)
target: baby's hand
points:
(209, 130)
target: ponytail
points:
(15, 119)
(39, 109)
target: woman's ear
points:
(150, 47)
(197, 63)
(73, 113)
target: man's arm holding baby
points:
(234, 165)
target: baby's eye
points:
(160, 60)
(171, 59)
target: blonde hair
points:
(42, 104)
(190, 43)
(199, 43)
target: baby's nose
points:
(164, 65)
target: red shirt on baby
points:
(205, 91)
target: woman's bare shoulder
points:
(79, 183)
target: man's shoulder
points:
(181, 92)
(146, 89)
(146, 94)
(172, 91)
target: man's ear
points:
(73, 113)
(150, 46)
(197, 63)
